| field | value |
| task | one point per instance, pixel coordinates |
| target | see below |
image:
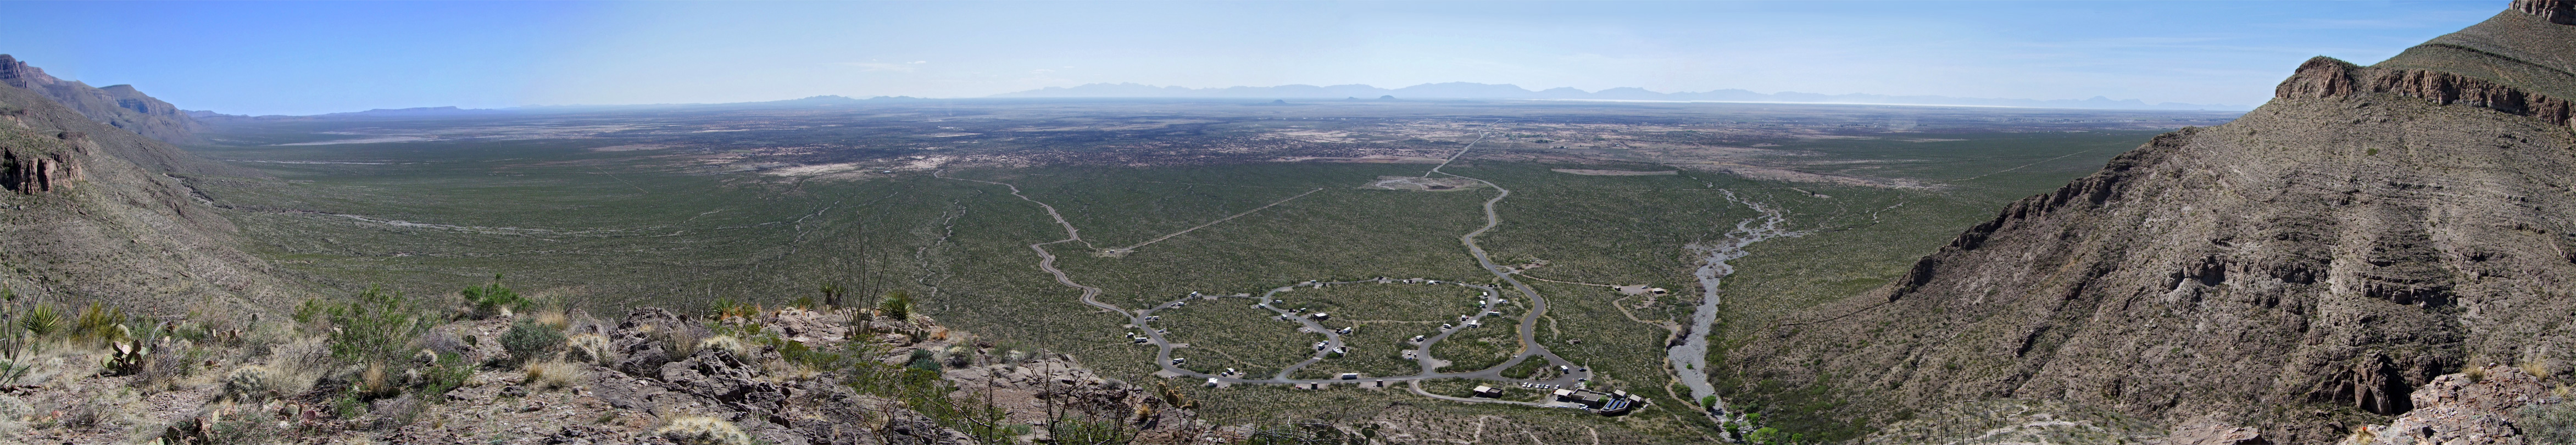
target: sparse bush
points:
(98, 323)
(445, 342)
(174, 360)
(528, 341)
(590, 348)
(921, 359)
(309, 310)
(896, 305)
(703, 431)
(726, 309)
(450, 373)
(487, 301)
(2547, 424)
(551, 375)
(394, 412)
(377, 328)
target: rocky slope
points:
(120, 106)
(93, 212)
(652, 377)
(2300, 271)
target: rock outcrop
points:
(32, 171)
(120, 106)
(2327, 78)
(2305, 270)
(2555, 11)
(2465, 409)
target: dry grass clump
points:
(590, 348)
(553, 318)
(703, 431)
(552, 375)
(729, 344)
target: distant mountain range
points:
(1471, 90)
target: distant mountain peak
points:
(120, 105)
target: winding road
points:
(1528, 326)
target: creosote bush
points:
(528, 341)
(377, 328)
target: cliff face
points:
(2302, 270)
(95, 213)
(120, 106)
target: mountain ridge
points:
(2307, 271)
(120, 106)
(1471, 90)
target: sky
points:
(321, 57)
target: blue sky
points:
(319, 57)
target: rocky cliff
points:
(120, 106)
(2300, 271)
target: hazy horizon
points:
(312, 58)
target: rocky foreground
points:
(788, 376)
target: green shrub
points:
(2552, 423)
(527, 340)
(98, 323)
(450, 373)
(377, 328)
(491, 299)
(896, 305)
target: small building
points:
(1615, 407)
(1487, 391)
